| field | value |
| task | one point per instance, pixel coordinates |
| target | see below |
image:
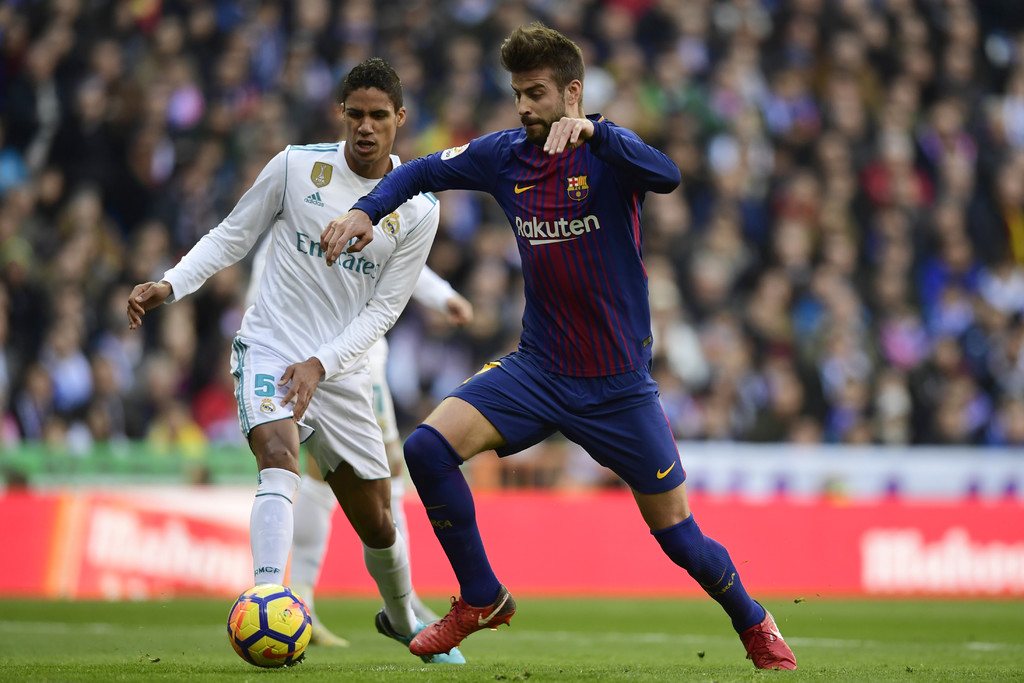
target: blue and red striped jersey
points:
(577, 222)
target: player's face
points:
(540, 103)
(370, 125)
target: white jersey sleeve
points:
(232, 239)
(432, 290)
(259, 263)
(395, 285)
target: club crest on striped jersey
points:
(321, 173)
(577, 187)
(453, 152)
(390, 224)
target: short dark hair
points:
(536, 46)
(373, 73)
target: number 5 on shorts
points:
(265, 385)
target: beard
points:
(538, 134)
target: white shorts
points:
(339, 424)
(383, 405)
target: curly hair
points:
(536, 46)
(373, 73)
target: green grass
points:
(550, 640)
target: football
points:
(269, 626)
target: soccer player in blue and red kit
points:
(572, 187)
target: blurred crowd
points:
(843, 263)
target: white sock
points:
(313, 509)
(389, 567)
(422, 612)
(397, 509)
(271, 524)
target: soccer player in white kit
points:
(315, 503)
(300, 358)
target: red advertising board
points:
(134, 544)
(143, 543)
(596, 543)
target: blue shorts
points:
(617, 419)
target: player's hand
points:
(340, 232)
(567, 133)
(459, 310)
(145, 297)
(304, 378)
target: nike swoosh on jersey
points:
(662, 475)
(520, 190)
(482, 621)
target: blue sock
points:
(434, 468)
(708, 562)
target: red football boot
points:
(463, 619)
(765, 646)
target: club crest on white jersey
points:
(390, 224)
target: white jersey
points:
(304, 308)
(431, 290)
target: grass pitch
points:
(550, 640)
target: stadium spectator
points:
(213, 406)
(66, 361)
(105, 413)
(33, 403)
(172, 431)
(13, 169)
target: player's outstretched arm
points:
(340, 232)
(459, 310)
(145, 297)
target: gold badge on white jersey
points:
(390, 224)
(321, 173)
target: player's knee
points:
(428, 454)
(378, 532)
(273, 449)
(280, 458)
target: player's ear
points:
(574, 93)
(400, 117)
(339, 111)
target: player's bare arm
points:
(146, 297)
(304, 378)
(568, 133)
(340, 232)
